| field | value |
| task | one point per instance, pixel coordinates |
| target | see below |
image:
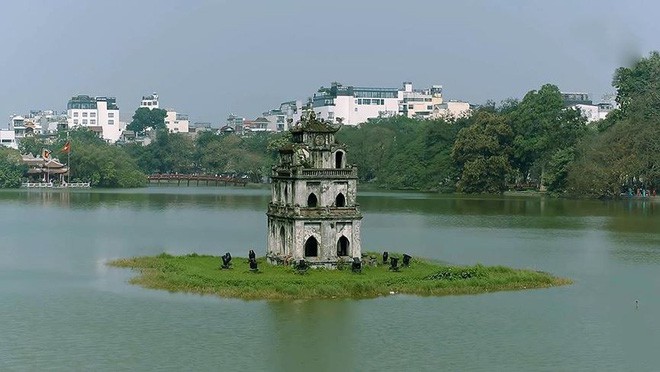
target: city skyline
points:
(210, 59)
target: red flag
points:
(67, 147)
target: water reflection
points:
(307, 333)
(139, 199)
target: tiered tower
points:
(313, 214)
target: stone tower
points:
(313, 214)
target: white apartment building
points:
(354, 105)
(177, 123)
(450, 110)
(419, 104)
(150, 101)
(279, 118)
(592, 112)
(8, 138)
(99, 114)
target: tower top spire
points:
(310, 123)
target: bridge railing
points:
(197, 177)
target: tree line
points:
(535, 143)
(532, 143)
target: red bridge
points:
(206, 179)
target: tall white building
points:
(99, 114)
(354, 105)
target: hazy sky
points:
(212, 58)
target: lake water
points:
(62, 308)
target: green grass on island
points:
(202, 274)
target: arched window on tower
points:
(342, 246)
(311, 247)
(339, 159)
(312, 201)
(282, 241)
(340, 201)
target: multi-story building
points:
(575, 98)
(451, 110)
(8, 138)
(581, 101)
(419, 104)
(351, 105)
(235, 122)
(354, 105)
(279, 119)
(99, 114)
(150, 101)
(177, 123)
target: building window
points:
(92, 121)
(75, 121)
(311, 247)
(429, 107)
(75, 114)
(84, 114)
(92, 114)
(340, 201)
(312, 201)
(342, 246)
(111, 122)
(339, 159)
(84, 121)
(111, 114)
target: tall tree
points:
(627, 152)
(11, 169)
(542, 126)
(145, 118)
(482, 153)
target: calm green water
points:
(62, 308)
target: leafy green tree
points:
(626, 152)
(482, 152)
(542, 126)
(145, 118)
(638, 87)
(95, 161)
(11, 169)
(173, 152)
(31, 145)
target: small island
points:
(203, 275)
